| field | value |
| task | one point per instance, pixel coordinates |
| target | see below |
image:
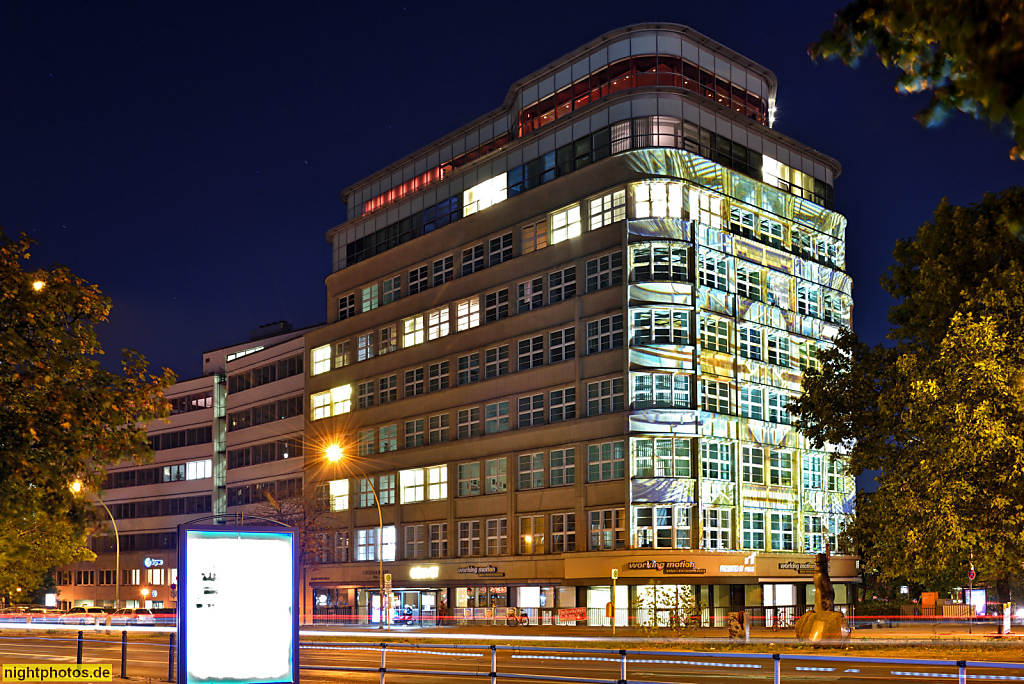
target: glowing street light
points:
(38, 285)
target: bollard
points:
(622, 667)
(79, 661)
(778, 668)
(383, 669)
(746, 627)
(962, 667)
(494, 664)
(124, 654)
(170, 660)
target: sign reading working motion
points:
(238, 605)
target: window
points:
(717, 526)
(415, 542)
(607, 209)
(332, 403)
(437, 482)
(472, 259)
(531, 471)
(388, 341)
(715, 396)
(660, 326)
(385, 490)
(607, 529)
(387, 439)
(346, 306)
(814, 539)
(337, 495)
(562, 467)
(714, 333)
(661, 457)
(565, 224)
(705, 209)
(562, 285)
(562, 345)
(657, 199)
(833, 307)
(496, 361)
(367, 391)
(413, 484)
(467, 313)
(413, 382)
(497, 536)
(713, 269)
(412, 331)
(777, 402)
(320, 360)
(469, 423)
(442, 271)
(563, 532)
(366, 544)
(531, 535)
(469, 538)
(418, 280)
(753, 465)
(437, 323)
(469, 479)
(752, 402)
(531, 353)
(780, 469)
(808, 298)
(606, 461)
(812, 471)
(530, 295)
(392, 290)
(604, 334)
(468, 368)
(366, 442)
(499, 249)
(661, 390)
(438, 426)
(562, 404)
(485, 194)
(604, 396)
(496, 305)
(662, 527)
(437, 376)
(439, 540)
(369, 298)
(753, 530)
(604, 271)
(413, 433)
(748, 282)
(715, 460)
(535, 236)
(660, 261)
(750, 342)
(806, 355)
(531, 411)
(365, 346)
(835, 472)
(495, 476)
(341, 354)
(782, 531)
(387, 389)
(778, 349)
(496, 418)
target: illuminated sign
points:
(680, 567)
(424, 572)
(238, 605)
(748, 565)
(480, 570)
(798, 566)
(153, 562)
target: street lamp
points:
(76, 487)
(334, 454)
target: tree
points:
(311, 519)
(968, 53)
(62, 417)
(941, 412)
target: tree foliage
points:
(309, 516)
(968, 53)
(62, 417)
(941, 411)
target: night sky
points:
(187, 157)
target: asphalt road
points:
(321, 662)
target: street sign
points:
(971, 575)
(387, 581)
(615, 574)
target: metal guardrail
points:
(622, 657)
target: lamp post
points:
(333, 455)
(76, 487)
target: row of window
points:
(152, 508)
(191, 470)
(271, 372)
(191, 402)
(265, 413)
(129, 577)
(181, 438)
(257, 492)
(140, 541)
(266, 452)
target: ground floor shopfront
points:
(577, 588)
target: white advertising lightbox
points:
(238, 605)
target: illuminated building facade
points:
(562, 340)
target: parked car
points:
(133, 616)
(166, 617)
(43, 615)
(84, 615)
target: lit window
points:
(607, 209)
(663, 527)
(661, 457)
(412, 331)
(565, 224)
(716, 528)
(705, 209)
(467, 313)
(716, 460)
(320, 360)
(341, 399)
(753, 530)
(369, 298)
(338, 490)
(320, 405)
(485, 194)
(365, 346)
(535, 236)
(437, 323)
(658, 199)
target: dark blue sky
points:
(187, 157)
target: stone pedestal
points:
(824, 626)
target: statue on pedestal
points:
(823, 624)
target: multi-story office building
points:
(234, 434)
(562, 341)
